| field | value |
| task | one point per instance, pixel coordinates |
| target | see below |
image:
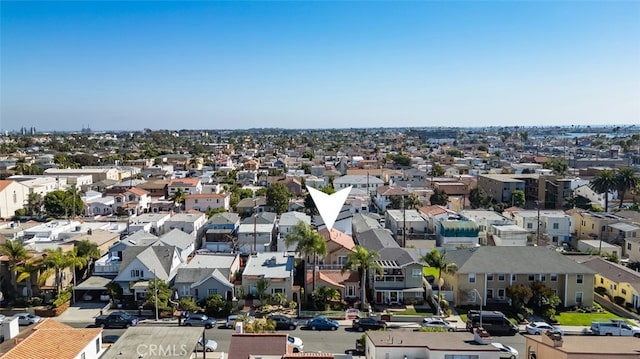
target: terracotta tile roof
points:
(434, 210)
(334, 277)
(184, 182)
(309, 355)
(243, 345)
(53, 340)
(338, 237)
(208, 195)
(137, 191)
(4, 184)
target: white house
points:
(288, 220)
(141, 264)
(191, 223)
(370, 183)
(485, 219)
(13, 196)
(508, 235)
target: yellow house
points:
(617, 280)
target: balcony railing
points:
(390, 278)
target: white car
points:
(231, 320)
(538, 328)
(210, 346)
(296, 343)
(438, 323)
(507, 351)
(27, 318)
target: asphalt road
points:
(314, 341)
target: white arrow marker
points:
(329, 206)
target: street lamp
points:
(478, 296)
(155, 289)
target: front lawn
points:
(427, 271)
(583, 319)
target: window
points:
(458, 356)
(579, 297)
(532, 277)
(351, 291)
(342, 260)
(489, 276)
(529, 225)
(501, 276)
(489, 293)
(629, 245)
(543, 277)
(601, 280)
(416, 273)
(472, 277)
(624, 291)
(212, 291)
(579, 278)
(514, 277)
(15, 197)
(500, 293)
(137, 273)
(556, 226)
(277, 290)
(554, 277)
(98, 346)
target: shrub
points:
(62, 297)
(188, 304)
(293, 304)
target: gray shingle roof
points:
(177, 238)
(516, 260)
(376, 239)
(402, 256)
(224, 218)
(362, 223)
(192, 275)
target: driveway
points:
(81, 312)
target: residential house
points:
(293, 184)
(455, 231)
(191, 223)
(185, 244)
(590, 225)
(490, 270)
(507, 235)
(415, 345)
(369, 183)
(276, 267)
(594, 246)
(155, 188)
(248, 206)
(52, 339)
(287, 222)
(401, 280)
(191, 185)
(409, 220)
(384, 194)
(580, 346)
(207, 201)
(98, 205)
(485, 219)
(219, 231)
(616, 280)
(13, 196)
(141, 264)
(434, 214)
(109, 264)
(257, 233)
(97, 174)
(154, 223)
(339, 246)
(42, 184)
(625, 234)
(347, 283)
(135, 200)
(260, 345)
(208, 274)
(555, 226)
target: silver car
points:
(199, 320)
(27, 318)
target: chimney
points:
(552, 338)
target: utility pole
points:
(404, 223)
(255, 233)
(155, 289)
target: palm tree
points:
(75, 262)
(363, 261)
(324, 295)
(437, 260)
(22, 167)
(625, 180)
(16, 254)
(603, 183)
(309, 243)
(55, 261)
(88, 250)
(72, 199)
(262, 285)
(25, 272)
(178, 197)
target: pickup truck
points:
(615, 327)
(116, 320)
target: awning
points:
(143, 284)
(94, 283)
(404, 290)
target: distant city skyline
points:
(232, 65)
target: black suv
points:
(363, 324)
(494, 322)
(284, 322)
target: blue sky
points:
(238, 64)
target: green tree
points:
(34, 204)
(520, 295)
(160, 288)
(324, 296)
(262, 285)
(188, 304)
(438, 260)
(73, 201)
(216, 306)
(437, 170)
(178, 198)
(278, 197)
(90, 251)
(16, 254)
(75, 262)
(517, 198)
(55, 203)
(363, 261)
(604, 182)
(439, 197)
(27, 270)
(478, 198)
(625, 179)
(309, 243)
(543, 297)
(55, 261)
(558, 165)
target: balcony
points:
(106, 266)
(391, 278)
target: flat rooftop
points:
(178, 343)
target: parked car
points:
(210, 346)
(538, 328)
(116, 320)
(322, 323)
(506, 351)
(615, 327)
(283, 322)
(494, 322)
(438, 323)
(363, 324)
(199, 320)
(296, 343)
(27, 318)
(2, 318)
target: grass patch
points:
(583, 319)
(412, 311)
